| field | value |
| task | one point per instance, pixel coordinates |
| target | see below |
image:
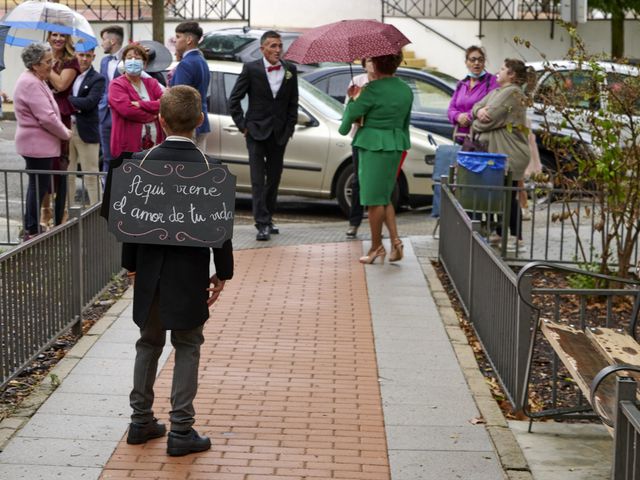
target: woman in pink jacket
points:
(40, 129)
(135, 103)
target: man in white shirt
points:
(84, 146)
(269, 122)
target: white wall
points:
(498, 40)
(301, 14)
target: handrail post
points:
(77, 246)
(625, 392)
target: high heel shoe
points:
(373, 254)
(396, 251)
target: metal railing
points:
(486, 287)
(626, 460)
(139, 10)
(483, 9)
(13, 189)
(565, 227)
(47, 281)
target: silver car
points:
(317, 161)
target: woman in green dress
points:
(383, 108)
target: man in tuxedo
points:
(193, 71)
(112, 39)
(84, 146)
(268, 123)
(172, 291)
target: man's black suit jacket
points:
(265, 114)
(86, 105)
(179, 276)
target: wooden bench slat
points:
(576, 351)
(616, 345)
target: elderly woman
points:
(384, 105)
(470, 90)
(40, 130)
(501, 121)
(135, 103)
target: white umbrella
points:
(38, 16)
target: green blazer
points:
(385, 105)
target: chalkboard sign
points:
(172, 203)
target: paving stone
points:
(81, 348)
(112, 350)
(105, 366)
(57, 452)
(433, 396)
(428, 377)
(74, 427)
(60, 403)
(106, 385)
(102, 325)
(441, 413)
(420, 465)
(120, 335)
(32, 472)
(451, 438)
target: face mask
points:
(473, 75)
(133, 66)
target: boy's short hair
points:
(190, 28)
(116, 30)
(180, 107)
(269, 34)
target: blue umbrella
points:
(38, 16)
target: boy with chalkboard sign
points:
(172, 291)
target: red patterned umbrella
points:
(346, 41)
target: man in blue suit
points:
(84, 145)
(193, 71)
(112, 39)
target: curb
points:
(511, 457)
(30, 405)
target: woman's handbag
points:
(472, 143)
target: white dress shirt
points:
(275, 77)
(76, 88)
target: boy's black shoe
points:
(141, 432)
(179, 444)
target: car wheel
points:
(343, 190)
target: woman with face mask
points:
(135, 103)
(470, 90)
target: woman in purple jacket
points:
(470, 90)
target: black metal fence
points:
(136, 10)
(46, 282)
(486, 286)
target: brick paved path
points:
(288, 380)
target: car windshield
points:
(224, 43)
(319, 100)
(445, 77)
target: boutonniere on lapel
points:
(288, 74)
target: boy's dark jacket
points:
(179, 276)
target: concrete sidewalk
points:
(314, 366)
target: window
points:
(230, 80)
(427, 98)
(623, 93)
(571, 88)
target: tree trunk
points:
(617, 35)
(157, 12)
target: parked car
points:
(432, 93)
(238, 44)
(573, 80)
(317, 161)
